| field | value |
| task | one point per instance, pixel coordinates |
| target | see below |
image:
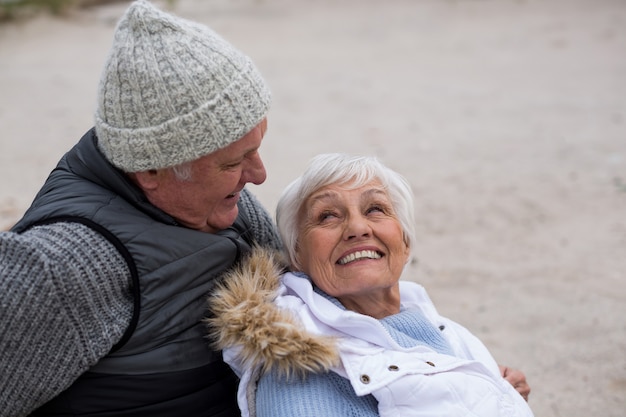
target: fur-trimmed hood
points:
(266, 337)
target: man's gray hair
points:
(182, 172)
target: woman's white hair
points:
(337, 168)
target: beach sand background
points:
(507, 117)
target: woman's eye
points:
(326, 215)
(374, 209)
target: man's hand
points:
(517, 379)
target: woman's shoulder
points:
(248, 323)
(312, 395)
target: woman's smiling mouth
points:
(363, 254)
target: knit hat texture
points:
(173, 91)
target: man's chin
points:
(226, 220)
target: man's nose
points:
(255, 171)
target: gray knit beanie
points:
(173, 91)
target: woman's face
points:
(352, 246)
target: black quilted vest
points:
(163, 365)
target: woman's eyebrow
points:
(334, 195)
(325, 196)
(373, 192)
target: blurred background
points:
(508, 118)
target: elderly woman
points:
(341, 335)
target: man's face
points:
(208, 201)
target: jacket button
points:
(430, 363)
(365, 379)
(393, 368)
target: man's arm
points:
(64, 302)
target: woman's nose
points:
(357, 227)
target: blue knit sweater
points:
(330, 395)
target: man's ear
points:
(146, 180)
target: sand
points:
(507, 117)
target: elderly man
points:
(103, 282)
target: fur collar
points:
(267, 337)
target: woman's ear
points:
(295, 265)
(407, 249)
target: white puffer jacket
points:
(265, 322)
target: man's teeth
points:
(369, 254)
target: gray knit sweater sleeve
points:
(64, 302)
(263, 226)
